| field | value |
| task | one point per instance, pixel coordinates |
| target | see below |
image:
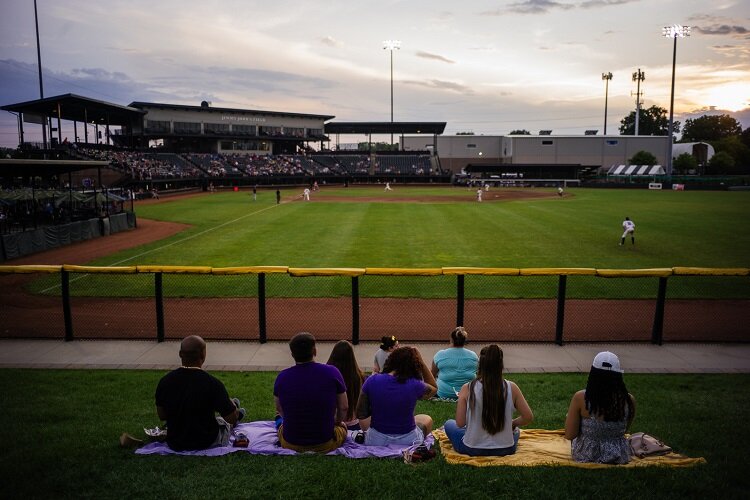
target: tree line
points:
(724, 133)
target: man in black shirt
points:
(188, 399)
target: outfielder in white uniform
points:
(629, 228)
(388, 187)
(479, 195)
(306, 194)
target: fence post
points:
(561, 284)
(355, 310)
(460, 289)
(262, 308)
(661, 298)
(159, 297)
(65, 277)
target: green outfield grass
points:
(709, 229)
(59, 430)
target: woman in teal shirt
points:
(455, 366)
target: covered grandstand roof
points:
(636, 170)
(78, 108)
(185, 107)
(20, 167)
(384, 127)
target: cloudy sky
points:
(482, 66)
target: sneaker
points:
(128, 441)
(359, 437)
(241, 410)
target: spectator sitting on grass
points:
(484, 423)
(310, 400)
(389, 398)
(455, 366)
(600, 415)
(342, 357)
(188, 399)
(387, 345)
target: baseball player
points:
(306, 194)
(628, 227)
(388, 187)
(479, 195)
(560, 191)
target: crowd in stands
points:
(403, 164)
(144, 166)
(147, 165)
(318, 405)
(351, 164)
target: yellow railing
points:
(386, 271)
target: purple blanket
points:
(263, 441)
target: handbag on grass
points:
(644, 445)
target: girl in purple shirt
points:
(389, 399)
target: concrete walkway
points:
(274, 356)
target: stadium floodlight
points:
(41, 84)
(391, 45)
(606, 77)
(638, 76)
(674, 31)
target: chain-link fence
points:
(274, 303)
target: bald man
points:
(188, 399)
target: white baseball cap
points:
(607, 361)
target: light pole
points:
(675, 31)
(41, 85)
(391, 45)
(606, 77)
(638, 76)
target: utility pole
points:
(606, 77)
(638, 76)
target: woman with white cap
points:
(600, 415)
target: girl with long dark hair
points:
(342, 357)
(600, 415)
(484, 423)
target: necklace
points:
(191, 367)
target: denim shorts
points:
(375, 438)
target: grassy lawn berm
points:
(59, 430)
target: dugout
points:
(514, 174)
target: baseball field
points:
(432, 227)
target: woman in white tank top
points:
(484, 423)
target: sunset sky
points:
(482, 66)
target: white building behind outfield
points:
(456, 152)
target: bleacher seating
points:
(153, 165)
(403, 164)
(349, 163)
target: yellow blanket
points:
(543, 447)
